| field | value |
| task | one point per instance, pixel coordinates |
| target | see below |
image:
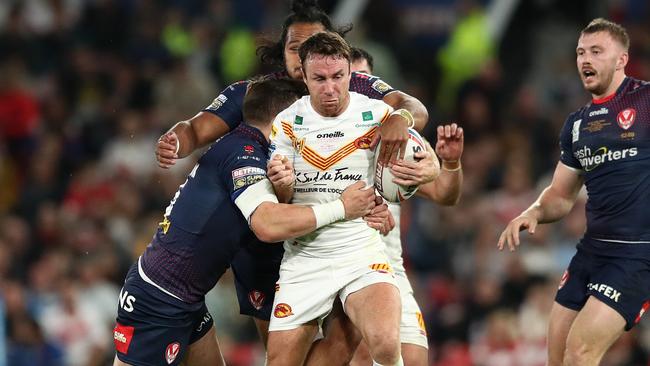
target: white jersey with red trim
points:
(328, 155)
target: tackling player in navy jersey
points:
(605, 146)
(224, 114)
(162, 317)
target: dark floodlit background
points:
(87, 86)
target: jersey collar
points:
(253, 133)
(611, 96)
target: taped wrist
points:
(327, 213)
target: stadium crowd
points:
(87, 87)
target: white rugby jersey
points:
(328, 155)
(393, 241)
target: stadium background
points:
(87, 86)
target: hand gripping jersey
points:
(328, 155)
(228, 104)
(608, 140)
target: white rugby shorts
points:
(412, 329)
(308, 286)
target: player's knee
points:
(578, 352)
(385, 348)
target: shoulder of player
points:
(359, 100)
(637, 86)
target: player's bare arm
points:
(446, 190)
(186, 136)
(409, 112)
(280, 172)
(273, 222)
(553, 203)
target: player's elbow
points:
(265, 234)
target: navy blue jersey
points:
(203, 228)
(608, 140)
(228, 104)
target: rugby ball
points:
(384, 184)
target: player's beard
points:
(603, 81)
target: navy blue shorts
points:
(621, 283)
(257, 268)
(154, 328)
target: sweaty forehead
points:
(299, 32)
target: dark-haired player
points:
(605, 145)
(162, 317)
(224, 114)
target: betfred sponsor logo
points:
(256, 298)
(590, 159)
(122, 336)
(608, 291)
(626, 118)
(565, 277)
(171, 352)
(282, 310)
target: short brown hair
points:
(615, 30)
(265, 98)
(325, 44)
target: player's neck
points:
(617, 80)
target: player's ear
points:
(622, 60)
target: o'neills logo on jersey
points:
(330, 135)
(590, 160)
(602, 110)
(626, 118)
(282, 310)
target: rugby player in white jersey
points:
(444, 190)
(327, 138)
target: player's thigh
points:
(205, 351)
(414, 355)
(375, 309)
(263, 330)
(595, 328)
(340, 339)
(290, 347)
(560, 320)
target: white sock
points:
(400, 362)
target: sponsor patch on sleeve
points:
(246, 176)
(217, 102)
(381, 86)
